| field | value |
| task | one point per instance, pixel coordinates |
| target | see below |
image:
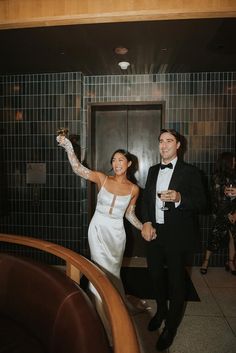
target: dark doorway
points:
(131, 126)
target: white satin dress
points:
(106, 234)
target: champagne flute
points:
(63, 131)
(163, 207)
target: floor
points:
(208, 326)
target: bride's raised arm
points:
(76, 165)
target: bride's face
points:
(120, 164)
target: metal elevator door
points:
(134, 127)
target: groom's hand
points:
(148, 232)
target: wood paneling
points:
(36, 13)
(121, 324)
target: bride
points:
(116, 198)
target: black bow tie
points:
(169, 165)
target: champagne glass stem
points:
(163, 207)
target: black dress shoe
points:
(165, 340)
(155, 322)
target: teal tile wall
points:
(32, 108)
(200, 105)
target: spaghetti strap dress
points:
(106, 234)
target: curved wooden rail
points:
(123, 332)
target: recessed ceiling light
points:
(121, 50)
(124, 65)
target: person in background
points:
(173, 196)
(223, 232)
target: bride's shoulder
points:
(134, 188)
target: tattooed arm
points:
(77, 167)
(132, 218)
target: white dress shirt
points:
(163, 181)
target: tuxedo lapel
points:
(176, 176)
(153, 182)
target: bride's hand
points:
(60, 139)
(63, 141)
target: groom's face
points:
(168, 147)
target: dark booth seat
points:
(44, 311)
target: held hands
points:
(148, 232)
(170, 196)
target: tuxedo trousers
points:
(164, 260)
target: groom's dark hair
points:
(173, 132)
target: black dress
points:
(222, 206)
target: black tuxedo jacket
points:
(181, 222)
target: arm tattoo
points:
(77, 167)
(131, 217)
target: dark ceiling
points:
(154, 47)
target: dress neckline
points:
(103, 187)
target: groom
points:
(180, 188)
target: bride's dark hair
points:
(132, 169)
